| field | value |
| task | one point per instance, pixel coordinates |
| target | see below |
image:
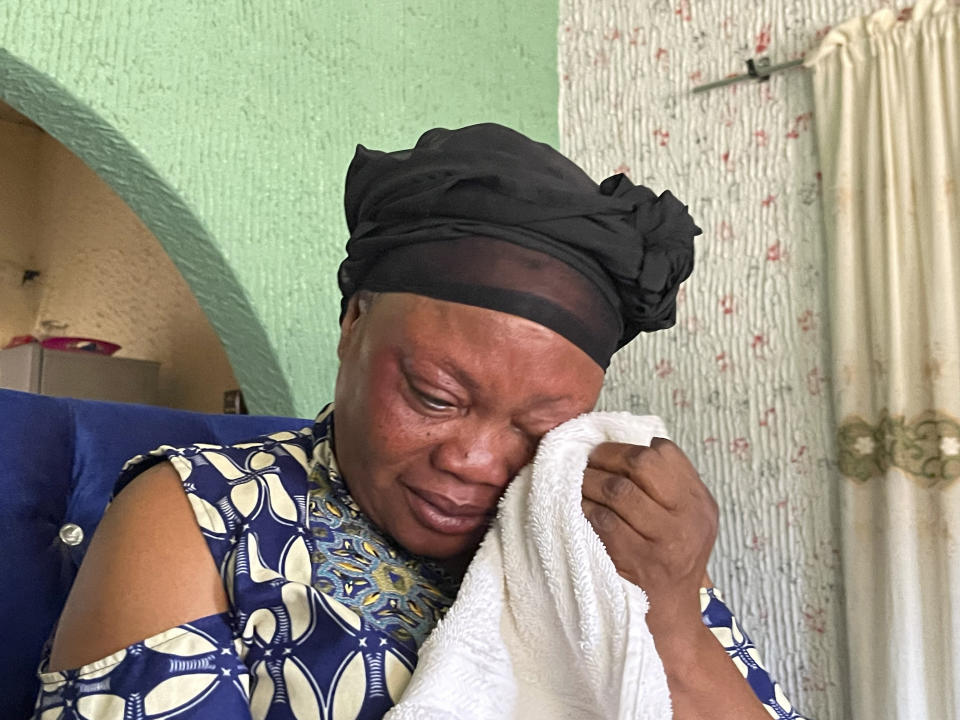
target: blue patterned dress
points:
(326, 615)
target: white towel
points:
(543, 626)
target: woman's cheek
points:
(401, 431)
(401, 428)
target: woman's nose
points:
(484, 456)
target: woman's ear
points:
(356, 308)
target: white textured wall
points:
(741, 379)
(104, 275)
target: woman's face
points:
(438, 405)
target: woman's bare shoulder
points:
(148, 569)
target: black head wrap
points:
(628, 247)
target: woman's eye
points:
(432, 402)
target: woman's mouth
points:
(442, 515)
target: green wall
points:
(228, 125)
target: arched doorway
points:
(76, 260)
(122, 167)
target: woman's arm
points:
(658, 523)
(148, 569)
(702, 676)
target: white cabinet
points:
(78, 374)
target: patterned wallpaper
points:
(742, 378)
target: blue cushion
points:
(59, 459)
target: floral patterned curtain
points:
(887, 93)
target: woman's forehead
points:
(485, 350)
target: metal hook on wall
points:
(759, 70)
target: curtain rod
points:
(759, 70)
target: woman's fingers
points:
(621, 541)
(653, 513)
(661, 470)
(625, 498)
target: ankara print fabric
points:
(326, 615)
(726, 629)
(171, 674)
(285, 649)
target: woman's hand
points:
(658, 522)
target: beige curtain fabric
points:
(887, 94)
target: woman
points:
(488, 281)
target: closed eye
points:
(428, 400)
(434, 403)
